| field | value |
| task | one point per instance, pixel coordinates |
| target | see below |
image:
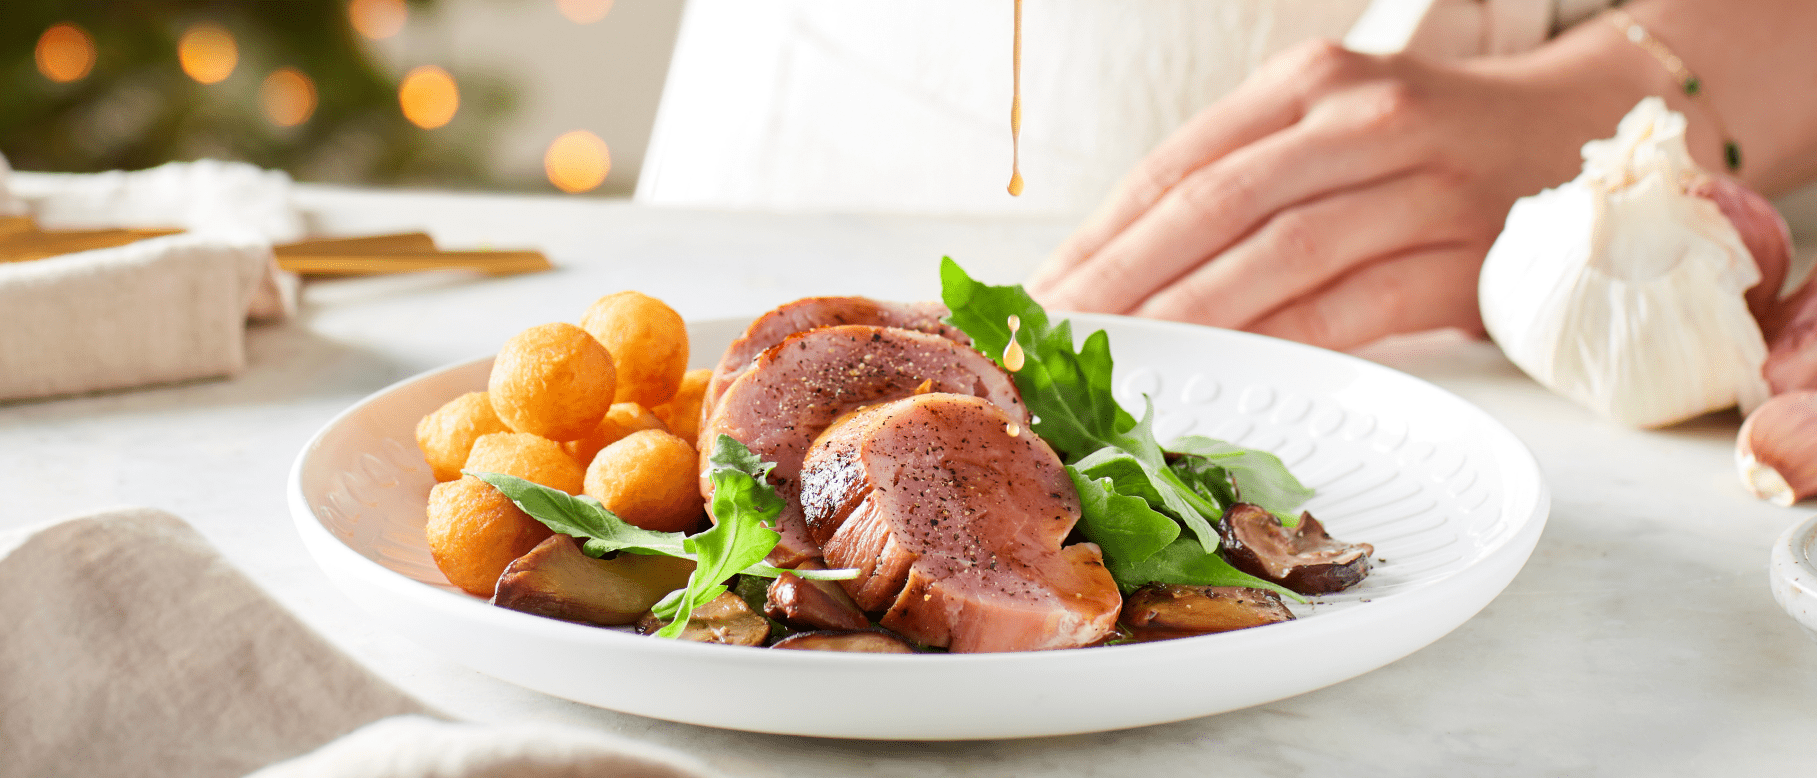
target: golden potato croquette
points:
(529, 457)
(682, 412)
(552, 380)
(621, 419)
(446, 435)
(474, 532)
(648, 479)
(648, 341)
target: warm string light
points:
(288, 97)
(577, 161)
(377, 19)
(428, 96)
(584, 11)
(65, 53)
(207, 53)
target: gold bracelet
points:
(1688, 82)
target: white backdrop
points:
(882, 105)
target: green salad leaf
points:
(583, 517)
(1071, 388)
(1113, 457)
(1123, 525)
(744, 508)
(1255, 477)
(1183, 562)
(744, 511)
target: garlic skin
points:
(1623, 290)
(1776, 450)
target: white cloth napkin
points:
(203, 195)
(131, 648)
(154, 311)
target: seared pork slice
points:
(954, 514)
(811, 312)
(799, 386)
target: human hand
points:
(1333, 198)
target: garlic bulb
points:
(1623, 290)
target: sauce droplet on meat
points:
(1012, 354)
(1015, 114)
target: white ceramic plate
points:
(1449, 497)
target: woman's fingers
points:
(1421, 290)
(1341, 144)
(1275, 97)
(1306, 246)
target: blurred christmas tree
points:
(98, 85)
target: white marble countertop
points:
(1639, 640)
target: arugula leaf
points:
(744, 505)
(1205, 479)
(744, 510)
(1115, 457)
(583, 517)
(604, 532)
(1068, 392)
(1258, 476)
(1183, 562)
(1124, 526)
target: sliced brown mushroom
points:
(556, 580)
(728, 619)
(814, 605)
(866, 642)
(1162, 611)
(1304, 558)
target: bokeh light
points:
(577, 161)
(288, 97)
(428, 96)
(377, 19)
(65, 53)
(584, 11)
(208, 53)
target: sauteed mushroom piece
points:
(728, 619)
(556, 580)
(814, 605)
(1163, 611)
(867, 642)
(1303, 558)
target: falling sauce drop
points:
(1015, 113)
(1012, 354)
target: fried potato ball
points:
(474, 532)
(621, 419)
(682, 412)
(648, 342)
(534, 459)
(648, 479)
(552, 380)
(447, 434)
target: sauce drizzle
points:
(1015, 114)
(1013, 357)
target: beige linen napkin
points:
(129, 647)
(155, 311)
(159, 310)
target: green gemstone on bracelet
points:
(1692, 86)
(1731, 154)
